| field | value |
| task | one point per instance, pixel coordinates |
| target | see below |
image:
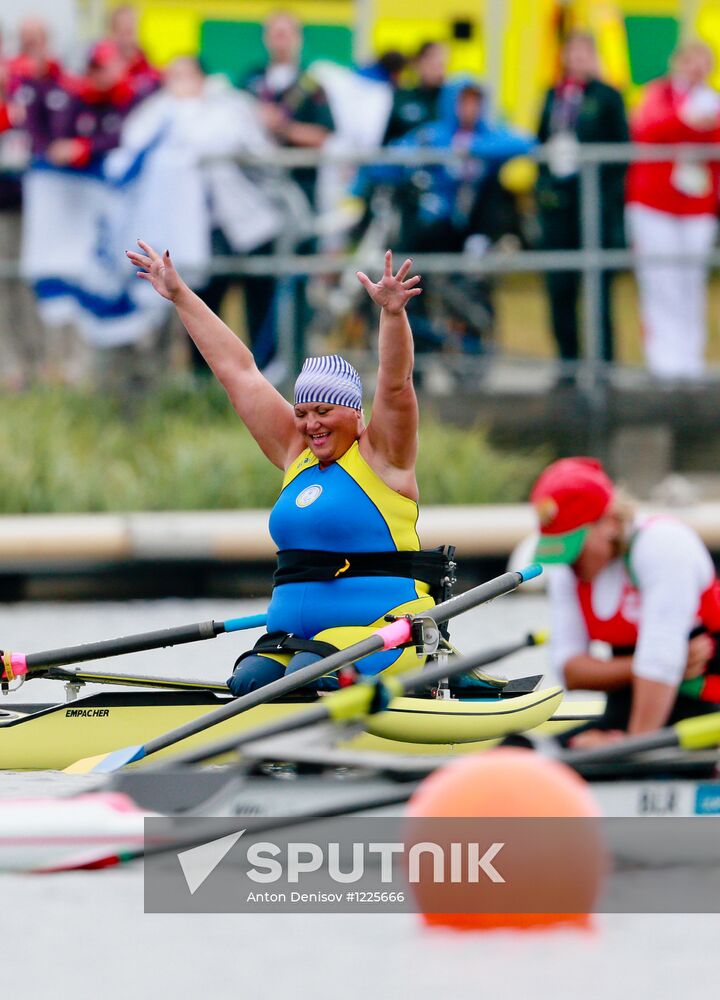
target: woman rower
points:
(646, 587)
(345, 520)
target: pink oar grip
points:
(396, 633)
(12, 665)
(18, 663)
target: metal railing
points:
(590, 260)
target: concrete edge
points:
(480, 531)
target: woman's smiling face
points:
(329, 430)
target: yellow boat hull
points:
(56, 736)
(440, 721)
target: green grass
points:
(63, 451)
(460, 466)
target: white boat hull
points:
(47, 834)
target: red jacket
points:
(656, 120)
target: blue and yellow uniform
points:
(346, 508)
(342, 508)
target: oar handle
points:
(140, 642)
(240, 624)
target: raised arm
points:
(390, 441)
(265, 413)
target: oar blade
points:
(106, 763)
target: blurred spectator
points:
(387, 68)
(370, 87)
(11, 113)
(672, 209)
(30, 75)
(36, 82)
(580, 108)
(445, 207)
(294, 107)
(74, 122)
(5, 122)
(200, 124)
(87, 123)
(296, 112)
(413, 106)
(122, 40)
(174, 171)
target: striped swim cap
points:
(329, 379)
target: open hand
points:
(392, 292)
(158, 270)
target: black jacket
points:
(601, 118)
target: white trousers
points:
(673, 297)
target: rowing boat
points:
(89, 734)
(52, 736)
(56, 834)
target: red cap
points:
(570, 495)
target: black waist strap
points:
(285, 642)
(308, 566)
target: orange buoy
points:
(538, 823)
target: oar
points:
(37, 664)
(369, 695)
(390, 636)
(696, 733)
(361, 699)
